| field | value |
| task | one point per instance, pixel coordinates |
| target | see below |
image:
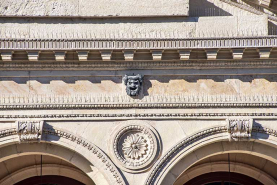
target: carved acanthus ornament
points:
(29, 130)
(240, 129)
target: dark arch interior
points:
(49, 180)
(223, 178)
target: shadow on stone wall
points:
(210, 84)
(257, 128)
(207, 9)
(272, 28)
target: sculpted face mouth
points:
(133, 88)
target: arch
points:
(206, 143)
(67, 146)
(48, 169)
(223, 178)
(222, 166)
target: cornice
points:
(135, 44)
(111, 65)
(90, 101)
(148, 116)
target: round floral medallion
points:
(135, 146)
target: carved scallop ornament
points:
(135, 146)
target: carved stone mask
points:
(133, 84)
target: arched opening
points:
(32, 169)
(175, 166)
(61, 144)
(49, 180)
(236, 168)
(223, 178)
(22, 161)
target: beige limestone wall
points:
(152, 85)
(93, 8)
(210, 85)
(69, 85)
(222, 26)
(233, 26)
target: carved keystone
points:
(106, 55)
(240, 128)
(133, 84)
(82, 55)
(7, 56)
(33, 55)
(184, 54)
(60, 55)
(238, 53)
(29, 131)
(264, 53)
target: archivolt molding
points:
(103, 158)
(177, 148)
(220, 166)
(91, 147)
(163, 161)
(48, 169)
(91, 101)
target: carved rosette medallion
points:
(29, 131)
(135, 147)
(240, 128)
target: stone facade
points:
(138, 92)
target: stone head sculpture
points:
(133, 84)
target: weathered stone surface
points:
(232, 26)
(192, 27)
(191, 85)
(209, 85)
(94, 8)
(152, 85)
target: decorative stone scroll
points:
(240, 129)
(29, 131)
(133, 84)
(134, 147)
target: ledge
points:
(107, 44)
